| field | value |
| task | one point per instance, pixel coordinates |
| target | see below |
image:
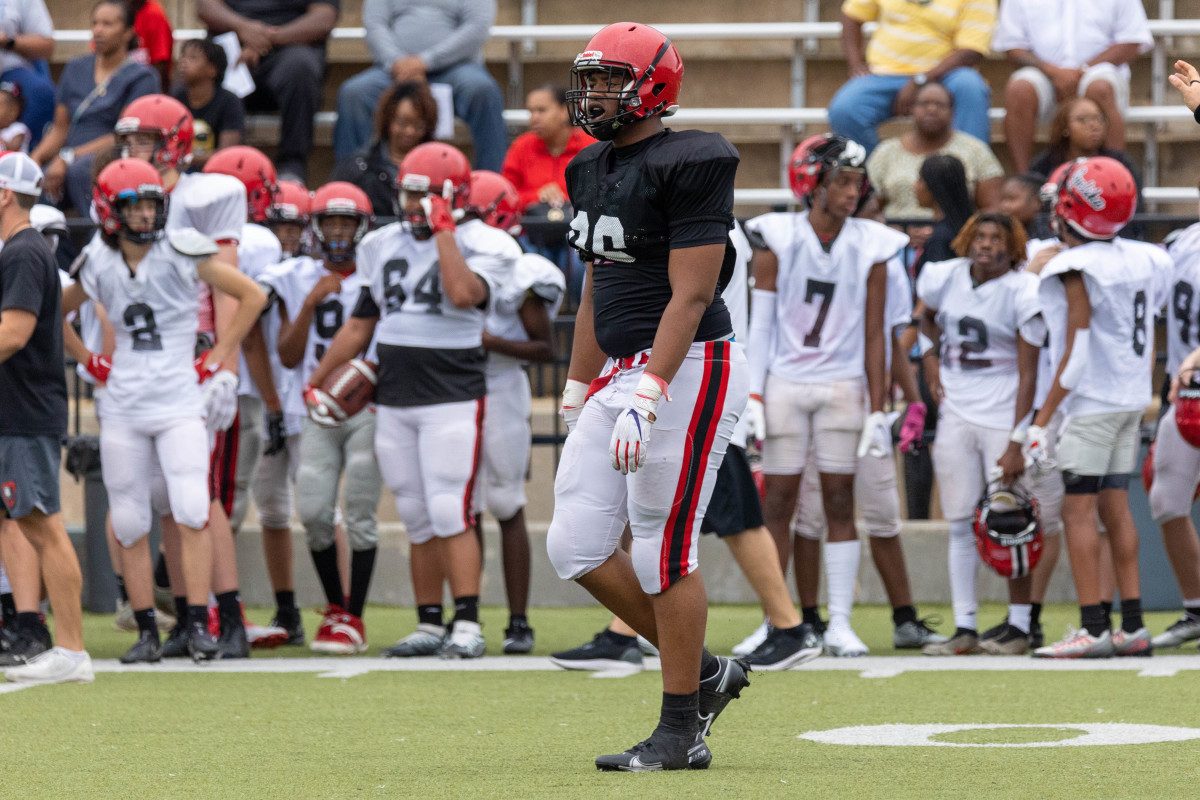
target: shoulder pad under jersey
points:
(191, 242)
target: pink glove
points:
(913, 429)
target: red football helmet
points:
(292, 203)
(124, 181)
(256, 172)
(1096, 197)
(433, 167)
(166, 117)
(1008, 531)
(1187, 413)
(645, 67)
(340, 198)
(820, 155)
(494, 200)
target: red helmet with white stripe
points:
(341, 199)
(495, 201)
(256, 172)
(1097, 197)
(165, 117)
(292, 203)
(1008, 531)
(125, 181)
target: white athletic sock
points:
(841, 572)
(1019, 616)
(963, 560)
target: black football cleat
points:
(201, 644)
(662, 751)
(233, 642)
(717, 690)
(518, 639)
(293, 625)
(25, 646)
(146, 650)
(176, 645)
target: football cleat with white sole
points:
(963, 642)
(465, 641)
(1078, 644)
(719, 688)
(752, 642)
(1137, 643)
(426, 640)
(915, 634)
(842, 642)
(1183, 630)
(784, 649)
(341, 633)
(1012, 642)
(662, 751)
(146, 650)
(602, 653)
(56, 665)
(518, 639)
(266, 637)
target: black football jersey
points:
(635, 204)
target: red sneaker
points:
(341, 633)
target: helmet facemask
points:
(128, 197)
(413, 187)
(342, 250)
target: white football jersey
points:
(899, 310)
(258, 249)
(215, 205)
(737, 299)
(1035, 332)
(534, 275)
(154, 317)
(291, 281)
(979, 338)
(821, 297)
(1127, 282)
(1183, 307)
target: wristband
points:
(1019, 435)
(574, 393)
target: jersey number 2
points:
(975, 340)
(139, 321)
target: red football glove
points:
(98, 366)
(205, 372)
(438, 213)
(322, 409)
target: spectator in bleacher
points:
(283, 44)
(156, 39)
(895, 163)
(217, 113)
(536, 164)
(92, 91)
(407, 116)
(915, 43)
(1066, 50)
(26, 36)
(427, 40)
(1079, 130)
(14, 134)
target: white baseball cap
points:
(20, 173)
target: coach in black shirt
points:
(33, 418)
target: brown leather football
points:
(352, 385)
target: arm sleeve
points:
(365, 307)
(377, 18)
(861, 10)
(474, 27)
(700, 199)
(931, 285)
(1010, 33)
(35, 18)
(1129, 26)
(762, 330)
(976, 21)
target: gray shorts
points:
(29, 475)
(1100, 444)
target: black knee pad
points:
(1074, 483)
(1116, 481)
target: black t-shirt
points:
(633, 206)
(33, 385)
(276, 12)
(224, 112)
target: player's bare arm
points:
(293, 332)
(1013, 460)
(1079, 315)
(587, 359)
(73, 297)
(463, 287)
(875, 356)
(248, 295)
(258, 364)
(535, 319)
(693, 272)
(929, 360)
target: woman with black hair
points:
(941, 186)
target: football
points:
(352, 385)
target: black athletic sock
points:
(1131, 614)
(1094, 619)
(903, 614)
(710, 667)
(285, 602)
(518, 619)
(1035, 614)
(162, 578)
(1107, 607)
(680, 713)
(29, 621)
(619, 638)
(326, 564)
(965, 632)
(8, 609)
(362, 566)
(121, 589)
(230, 606)
(795, 631)
(181, 609)
(198, 615)
(1191, 611)
(430, 615)
(466, 608)
(812, 616)
(146, 621)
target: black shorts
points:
(29, 476)
(734, 506)
(222, 467)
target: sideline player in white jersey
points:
(1098, 299)
(1176, 464)
(519, 330)
(159, 129)
(288, 216)
(314, 298)
(983, 374)
(875, 488)
(429, 286)
(817, 329)
(152, 437)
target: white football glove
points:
(876, 438)
(574, 397)
(756, 415)
(220, 401)
(631, 435)
(1037, 449)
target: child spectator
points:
(219, 116)
(14, 134)
(155, 37)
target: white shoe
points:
(55, 665)
(265, 636)
(465, 641)
(753, 641)
(842, 642)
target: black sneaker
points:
(717, 690)
(994, 632)
(660, 752)
(1036, 637)
(290, 622)
(200, 643)
(518, 639)
(8, 637)
(146, 650)
(784, 649)
(176, 645)
(232, 642)
(1013, 642)
(28, 643)
(601, 653)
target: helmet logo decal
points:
(1087, 190)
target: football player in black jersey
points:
(653, 354)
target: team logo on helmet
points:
(1087, 190)
(8, 492)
